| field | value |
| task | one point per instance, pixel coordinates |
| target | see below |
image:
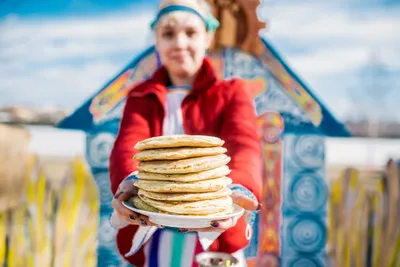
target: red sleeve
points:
(124, 243)
(242, 140)
(134, 127)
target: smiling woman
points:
(184, 27)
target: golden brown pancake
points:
(186, 177)
(211, 185)
(185, 197)
(193, 208)
(182, 140)
(178, 153)
(184, 165)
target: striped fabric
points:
(169, 248)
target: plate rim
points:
(150, 214)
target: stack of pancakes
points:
(183, 175)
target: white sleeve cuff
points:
(206, 239)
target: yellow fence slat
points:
(18, 245)
(361, 214)
(378, 226)
(396, 255)
(55, 227)
(3, 222)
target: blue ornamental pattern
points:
(306, 234)
(98, 148)
(308, 192)
(304, 200)
(309, 152)
(304, 262)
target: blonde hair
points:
(202, 6)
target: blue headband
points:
(211, 23)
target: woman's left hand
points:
(220, 226)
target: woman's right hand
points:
(127, 190)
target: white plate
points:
(180, 221)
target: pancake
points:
(183, 175)
(140, 204)
(189, 177)
(212, 185)
(178, 153)
(185, 197)
(194, 208)
(184, 165)
(181, 140)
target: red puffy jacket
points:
(222, 108)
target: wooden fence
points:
(43, 223)
(364, 218)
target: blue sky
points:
(57, 53)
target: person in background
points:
(184, 96)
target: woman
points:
(185, 96)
